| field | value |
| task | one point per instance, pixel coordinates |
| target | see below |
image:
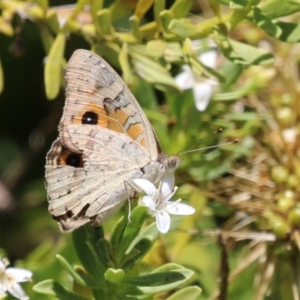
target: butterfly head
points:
(171, 163)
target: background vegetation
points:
(243, 241)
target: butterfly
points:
(105, 142)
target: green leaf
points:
(114, 275)
(232, 71)
(188, 293)
(290, 32)
(118, 231)
(277, 8)
(243, 54)
(156, 48)
(53, 288)
(127, 75)
(138, 252)
(86, 255)
(103, 21)
(102, 252)
(150, 232)
(52, 20)
(145, 94)
(46, 37)
(180, 8)
(54, 67)
(238, 4)
(265, 23)
(100, 247)
(184, 29)
(157, 279)
(150, 70)
(161, 280)
(138, 215)
(99, 20)
(142, 7)
(82, 280)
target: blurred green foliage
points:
(243, 241)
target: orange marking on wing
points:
(135, 130)
(117, 123)
(143, 143)
(100, 111)
(117, 120)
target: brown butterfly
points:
(105, 142)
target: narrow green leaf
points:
(102, 252)
(104, 21)
(52, 20)
(82, 280)
(125, 65)
(95, 7)
(139, 289)
(180, 8)
(142, 7)
(46, 37)
(135, 27)
(117, 232)
(188, 293)
(138, 252)
(87, 257)
(138, 215)
(150, 232)
(54, 67)
(157, 279)
(158, 7)
(53, 288)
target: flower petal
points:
(16, 290)
(185, 79)
(147, 186)
(202, 94)
(167, 186)
(176, 208)
(149, 202)
(18, 274)
(3, 289)
(163, 221)
(209, 58)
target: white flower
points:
(203, 89)
(10, 278)
(158, 201)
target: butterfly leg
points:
(131, 194)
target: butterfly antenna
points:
(209, 147)
(235, 141)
